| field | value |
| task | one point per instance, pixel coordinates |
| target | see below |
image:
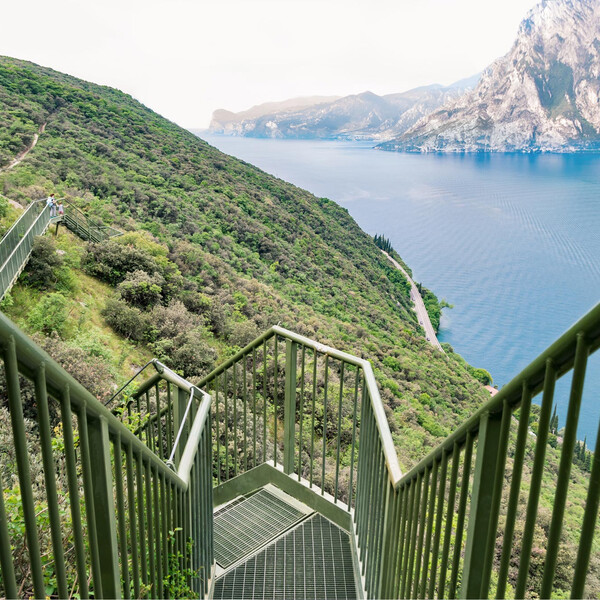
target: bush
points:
(83, 364)
(43, 266)
(111, 262)
(50, 314)
(141, 290)
(187, 352)
(127, 320)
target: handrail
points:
(16, 245)
(142, 501)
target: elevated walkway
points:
(276, 476)
(16, 245)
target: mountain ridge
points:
(364, 116)
(542, 96)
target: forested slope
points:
(227, 249)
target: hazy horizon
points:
(185, 59)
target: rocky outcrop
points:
(544, 95)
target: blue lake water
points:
(512, 241)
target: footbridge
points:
(17, 243)
(276, 476)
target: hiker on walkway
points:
(51, 202)
(61, 208)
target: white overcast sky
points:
(186, 58)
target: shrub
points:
(83, 364)
(111, 262)
(187, 352)
(50, 314)
(141, 290)
(127, 320)
(44, 264)
(170, 321)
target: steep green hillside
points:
(232, 250)
(214, 252)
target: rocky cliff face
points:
(361, 116)
(544, 95)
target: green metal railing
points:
(85, 227)
(316, 413)
(119, 517)
(145, 466)
(16, 245)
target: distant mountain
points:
(544, 95)
(360, 116)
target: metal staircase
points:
(16, 245)
(276, 475)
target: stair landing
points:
(270, 545)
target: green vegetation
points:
(238, 249)
(215, 251)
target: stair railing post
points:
(104, 507)
(480, 521)
(289, 419)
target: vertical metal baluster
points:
(588, 527)
(67, 422)
(566, 459)
(139, 415)
(169, 418)
(245, 401)
(226, 424)
(339, 434)
(20, 442)
(430, 519)
(165, 532)
(254, 405)
(149, 428)
(515, 490)
(438, 524)
(462, 506)
(413, 535)
(422, 519)
(9, 583)
(234, 397)
(312, 426)
(157, 532)
(150, 521)
(118, 460)
(325, 423)
(449, 517)
(49, 464)
(264, 400)
(132, 521)
(275, 390)
(536, 477)
(496, 496)
(141, 523)
(217, 434)
(352, 453)
(300, 441)
(89, 499)
(412, 488)
(161, 451)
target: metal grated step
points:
(314, 560)
(247, 525)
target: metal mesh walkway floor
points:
(244, 526)
(311, 560)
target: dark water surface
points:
(512, 241)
